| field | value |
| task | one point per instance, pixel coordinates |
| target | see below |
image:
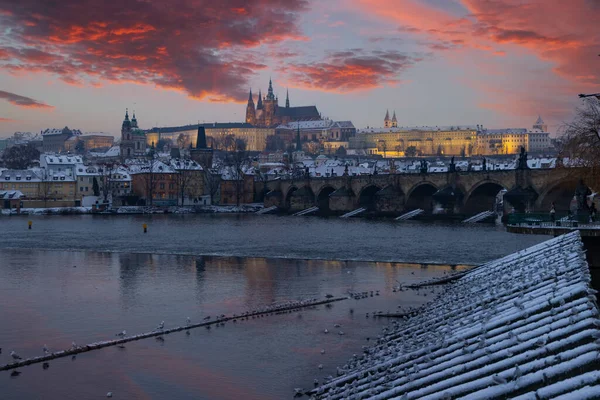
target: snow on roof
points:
(319, 124)
(524, 325)
(14, 175)
(55, 159)
(418, 128)
(10, 194)
(182, 164)
(158, 167)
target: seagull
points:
(73, 345)
(322, 351)
(121, 334)
(15, 373)
(188, 321)
(320, 366)
(15, 356)
(328, 296)
(340, 333)
(160, 338)
(109, 394)
(161, 326)
(187, 332)
(316, 382)
(326, 330)
(45, 349)
(336, 325)
(298, 392)
(45, 365)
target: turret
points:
(386, 120)
(250, 110)
(134, 123)
(394, 121)
(270, 95)
(259, 105)
(287, 99)
(126, 122)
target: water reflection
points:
(55, 298)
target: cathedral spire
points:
(270, 95)
(287, 98)
(126, 114)
(259, 105)
(387, 115)
(250, 99)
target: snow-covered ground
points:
(525, 326)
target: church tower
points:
(386, 121)
(540, 124)
(394, 120)
(250, 110)
(287, 99)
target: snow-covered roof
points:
(10, 194)
(524, 326)
(15, 175)
(182, 164)
(158, 167)
(56, 159)
(319, 124)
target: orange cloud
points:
(6, 120)
(22, 101)
(177, 44)
(351, 70)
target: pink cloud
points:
(22, 101)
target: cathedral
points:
(268, 113)
(390, 123)
(133, 139)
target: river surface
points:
(85, 278)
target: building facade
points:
(53, 140)
(256, 138)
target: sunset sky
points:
(499, 63)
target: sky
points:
(499, 63)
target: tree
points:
(189, 179)
(311, 147)
(382, 146)
(411, 151)
(237, 162)
(341, 151)
(181, 141)
(581, 141)
(80, 147)
(463, 152)
(96, 187)
(212, 178)
(106, 175)
(20, 157)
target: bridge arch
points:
(560, 193)
(288, 196)
(421, 196)
(366, 198)
(482, 197)
(323, 198)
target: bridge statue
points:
(522, 163)
(452, 166)
(484, 164)
(581, 194)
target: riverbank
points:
(124, 210)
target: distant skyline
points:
(498, 63)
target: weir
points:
(410, 214)
(310, 210)
(266, 210)
(479, 217)
(276, 309)
(353, 213)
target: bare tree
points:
(581, 141)
(237, 163)
(212, 178)
(189, 179)
(148, 172)
(106, 176)
(44, 188)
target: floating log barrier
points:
(275, 309)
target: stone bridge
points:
(446, 192)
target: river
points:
(85, 278)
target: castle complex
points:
(268, 113)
